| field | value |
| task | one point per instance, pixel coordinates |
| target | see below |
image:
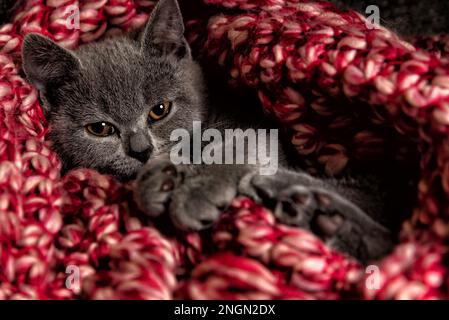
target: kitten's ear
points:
(45, 63)
(164, 32)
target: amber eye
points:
(100, 129)
(160, 111)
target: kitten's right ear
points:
(164, 32)
(45, 63)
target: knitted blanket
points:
(342, 88)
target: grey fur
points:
(120, 79)
(117, 80)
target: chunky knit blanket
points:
(340, 87)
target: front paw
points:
(339, 222)
(192, 196)
(156, 183)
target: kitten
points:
(113, 105)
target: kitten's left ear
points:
(46, 64)
(164, 33)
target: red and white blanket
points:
(80, 237)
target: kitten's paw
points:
(155, 184)
(199, 202)
(193, 197)
(339, 222)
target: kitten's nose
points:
(140, 147)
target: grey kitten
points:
(112, 106)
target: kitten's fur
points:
(118, 80)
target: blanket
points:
(341, 87)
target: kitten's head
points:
(112, 105)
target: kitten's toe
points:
(193, 214)
(294, 206)
(199, 202)
(327, 226)
(155, 184)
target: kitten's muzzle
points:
(140, 147)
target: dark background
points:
(6, 6)
(407, 17)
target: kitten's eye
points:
(100, 129)
(160, 111)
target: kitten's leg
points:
(195, 195)
(332, 212)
